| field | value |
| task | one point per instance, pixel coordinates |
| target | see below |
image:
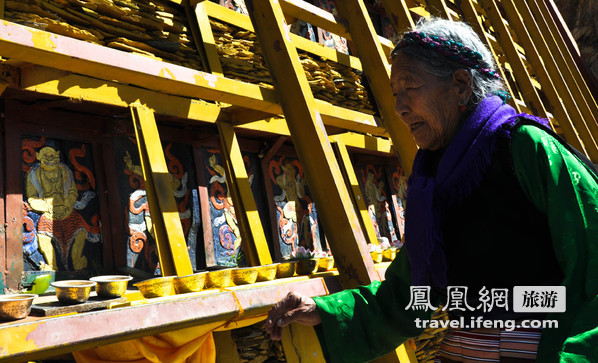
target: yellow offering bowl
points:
(73, 291)
(286, 269)
(267, 272)
(244, 275)
(190, 283)
(307, 267)
(389, 254)
(15, 306)
(376, 256)
(326, 263)
(156, 287)
(219, 278)
(111, 286)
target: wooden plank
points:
(254, 239)
(52, 308)
(226, 349)
(566, 111)
(36, 338)
(326, 183)
(172, 247)
(377, 69)
(3, 241)
(14, 200)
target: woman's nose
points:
(401, 107)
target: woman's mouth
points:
(414, 126)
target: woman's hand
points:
(294, 308)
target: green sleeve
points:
(564, 188)
(364, 323)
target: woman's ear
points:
(462, 82)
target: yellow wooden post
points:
(376, 67)
(438, 8)
(322, 171)
(207, 38)
(252, 233)
(473, 19)
(565, 109)
(170, 239)
(358, 201)
(528, 91)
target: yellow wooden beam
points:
(358, 200)
(473, 19)
(55, 51)
(170, 239)
(439, 9)
(253, 237)
(300, 344)
(376, 67)
(322, 172)
(520, 73)
(567, 112)
(82, 88)
(399, 15)
(364, 142)
(207, 38)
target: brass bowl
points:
(73, 291)
(307, 267)
(389, 254)
(286, 269)
(244, 275)
(190, 283)
(111, 286)
(15, 306)
(376, 256)
(267, 272)
(156, 287)
(326, 263)
(219, 278)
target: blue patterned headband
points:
(453, 50)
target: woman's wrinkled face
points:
(428, 105)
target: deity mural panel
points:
(398, 189)
(139, 235)
(61, 212)
(297, 221)
(226, 235)
(373, 183)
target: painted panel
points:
(398, 190)
(374, 186)
(225, 233)
(296, 220)
(325, 37)
(140, 243)
(61, 212)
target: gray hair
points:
(441, 66)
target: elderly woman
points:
(495, 200)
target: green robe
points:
(370, 321)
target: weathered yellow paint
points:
(170, 239)
(167, 73)
(358, 200)
(300, 344)
(18, 341)
(252, 232)
(43, 40)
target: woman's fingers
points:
(293, 308)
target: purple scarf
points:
(459, 172)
